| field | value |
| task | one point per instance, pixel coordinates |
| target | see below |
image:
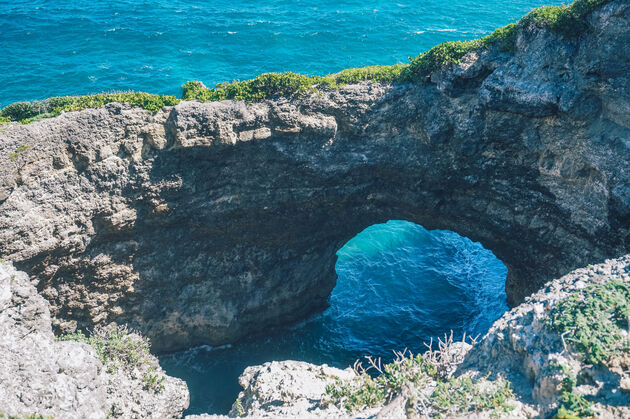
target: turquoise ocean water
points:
(51, 47)
(398, 284)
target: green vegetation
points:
(415, 375)
(569, 21)
(463, 395)
(379, 73)
(572, 405)
(153, 380)
(26, 112)
(265, 85)
(366, 391)
(18, 151)
(593, 321)
(120, 349)
(287, 84)
(116, 347)
(452, 52)
(238, 405)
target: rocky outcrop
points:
(289, 389)
(43, 376)
(520, 347)
(207, 222)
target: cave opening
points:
(398, 286)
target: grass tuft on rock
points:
(366, 391)
(18, 151)
(122, 350)
(426, 383)
(463, 395)
(569, 21)
(573, 405)
(116, 347)
(594, 321)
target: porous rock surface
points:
(207, 222)
(289, 389)
(518, 348)
(42, 376)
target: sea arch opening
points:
(398, 285)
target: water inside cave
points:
(398, 285)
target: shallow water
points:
(398, 286)
(52, 47)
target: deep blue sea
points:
(398, 284)
(53, 47)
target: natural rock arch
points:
(207, 222)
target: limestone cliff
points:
(43, 376)
(207, 222)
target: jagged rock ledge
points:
(43, 376)
(207, 222)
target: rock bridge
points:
(207, 222)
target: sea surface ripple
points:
(52, 48)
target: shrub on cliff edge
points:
(25, 112)
(287, 84)
(594, 321)
(116, 347)
(569, 21)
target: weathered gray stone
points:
(522, 349)
(290, 389)
(40, 375)
(208, 222)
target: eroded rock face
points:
(290, 389)
(522, 348)
(42, 376)
(208, 222)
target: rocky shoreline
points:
(520, 349)
(206, 222)
(521, 352)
